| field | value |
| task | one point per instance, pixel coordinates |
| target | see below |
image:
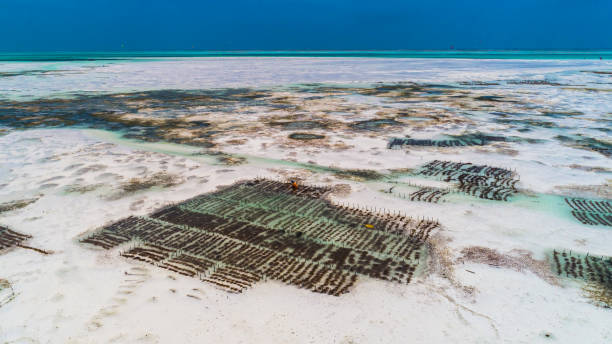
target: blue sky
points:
(97, 25)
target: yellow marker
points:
(369, 226)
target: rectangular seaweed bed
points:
(261, 229)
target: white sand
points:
(79, 294)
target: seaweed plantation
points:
(9, 238)
(262, 229)
(596, 271)
(476, 180)
(431, 195)
(453, 141)
(591, 212)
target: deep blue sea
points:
(456, 54)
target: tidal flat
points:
(436, 200)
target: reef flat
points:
(368, 200)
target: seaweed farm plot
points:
(595, 271)
(9, 238)
(452, 141)
(591, 212)
(260, 230)
(481, 181)
(431, 195)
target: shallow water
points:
(63, 79)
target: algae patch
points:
(14, 205)
(305, 136)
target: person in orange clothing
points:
(294, 185)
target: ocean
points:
(458, 54)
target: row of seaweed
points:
(591, 212)
(431, 195)
(10, 238)
(262, 229)
(481, 181)
(595, 271)
(240, 250)
(472, 139)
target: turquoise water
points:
(457, 54)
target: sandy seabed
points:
(488, 275)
